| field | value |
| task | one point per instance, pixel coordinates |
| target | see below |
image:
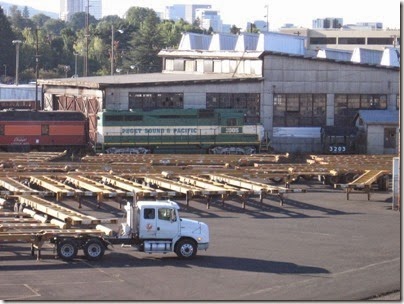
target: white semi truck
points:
(151, 227)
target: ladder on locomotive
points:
(264, 144)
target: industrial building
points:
(289, 89)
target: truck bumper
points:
(203, 246)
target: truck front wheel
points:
(186, 248)
(67, 249)
(94, 249)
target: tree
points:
(7, 54)
(147, 41)
(40, 19)
(54, 27)
(235, 30)
(25, 12)
(171, 32)
(78, 21)
(142, 37)
(17, 20)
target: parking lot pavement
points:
(317, 246)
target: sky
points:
(298, 12)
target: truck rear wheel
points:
(67, 249)
(186, 248)
(94, 249)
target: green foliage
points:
(7, 49)
(138, 38)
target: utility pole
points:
(36, 70)
(87, 35)
(112, 49)
(267, 15)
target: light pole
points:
(17, 58)
(113, 47)
(75, 64)
(5, 71)
(66, 68)
(36, 69)
(267, 15)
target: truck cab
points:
(156, 227)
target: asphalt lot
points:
(317, 246)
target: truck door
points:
(148, 226)
(168, 223)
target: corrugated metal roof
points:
(194, 41)
(334, 54)
(144, 79)
(376, 117)
(283, 43)
(246, 41)
(366, 56)
(391, 57)
(210, 54)
(223, 42)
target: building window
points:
(150, 101)
(351, 40)
(347, 105)
(390, 138)
(380, 40)
(1, 129)
(179, 65)
(323, 40)
(250, 102)
(299, 110)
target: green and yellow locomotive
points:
(218, 131)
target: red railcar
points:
(27, 130)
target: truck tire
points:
(186, 248)
(67, 249)
(94, 249)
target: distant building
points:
(328, 23)
(70, 7)
(209, 18)
(365, 26)
(183, 11)
(175, 12)
(347, 39)
(261, 25)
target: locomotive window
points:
(113, 118)
(44, 129)
(134, 118)
(1, 129)
(232, 122)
